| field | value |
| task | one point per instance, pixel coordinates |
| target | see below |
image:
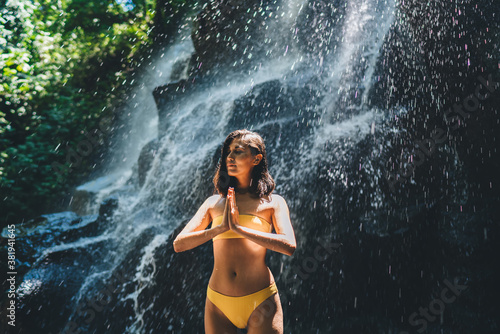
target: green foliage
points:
(63, 66)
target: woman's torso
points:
(239, 264)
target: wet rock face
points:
(273, 102)
(85, 196)
(49, 274)
(47, 230)
(171, 97)
(175, 299)
(442, 66)
(317, 23)
(49, 287)
(108, 206)
(145, 160)
(225, 32)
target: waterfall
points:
(196, 129)
(311, 97)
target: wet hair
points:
(262, 184)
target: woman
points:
(241, 291)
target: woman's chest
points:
(246, 206)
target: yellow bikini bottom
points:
(239, 309)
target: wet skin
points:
(239, 263)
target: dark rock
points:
(42, 231)
(49, 287)
(274, 101)
(180, 69)
(113, 293)
(170, 98)
(225, 32)
(108, 206)
(85, 196)
(146, 157)
(318, 22)
(179, 304)
(46, 231)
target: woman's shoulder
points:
(213, 200)
(276, 200)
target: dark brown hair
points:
(262, 183)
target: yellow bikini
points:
(239, 309)
(250, 221)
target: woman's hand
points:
(225, 217)
(233, 213)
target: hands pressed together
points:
(231, 214)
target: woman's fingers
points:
(231, 210)
(229, 204)
(234, 210)
(231, 199)
(228, 197)
(226, 215)
(233, 213)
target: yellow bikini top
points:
(249, 221)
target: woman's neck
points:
(243, 184)
(242, 190)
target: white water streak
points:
(144, 277)
(364, 29)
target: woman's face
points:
(240, 160)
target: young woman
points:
(241, 292)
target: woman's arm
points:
(283, 241)
(194, 233)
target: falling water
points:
(196, 130)
(330, 121)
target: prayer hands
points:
(232, 210)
